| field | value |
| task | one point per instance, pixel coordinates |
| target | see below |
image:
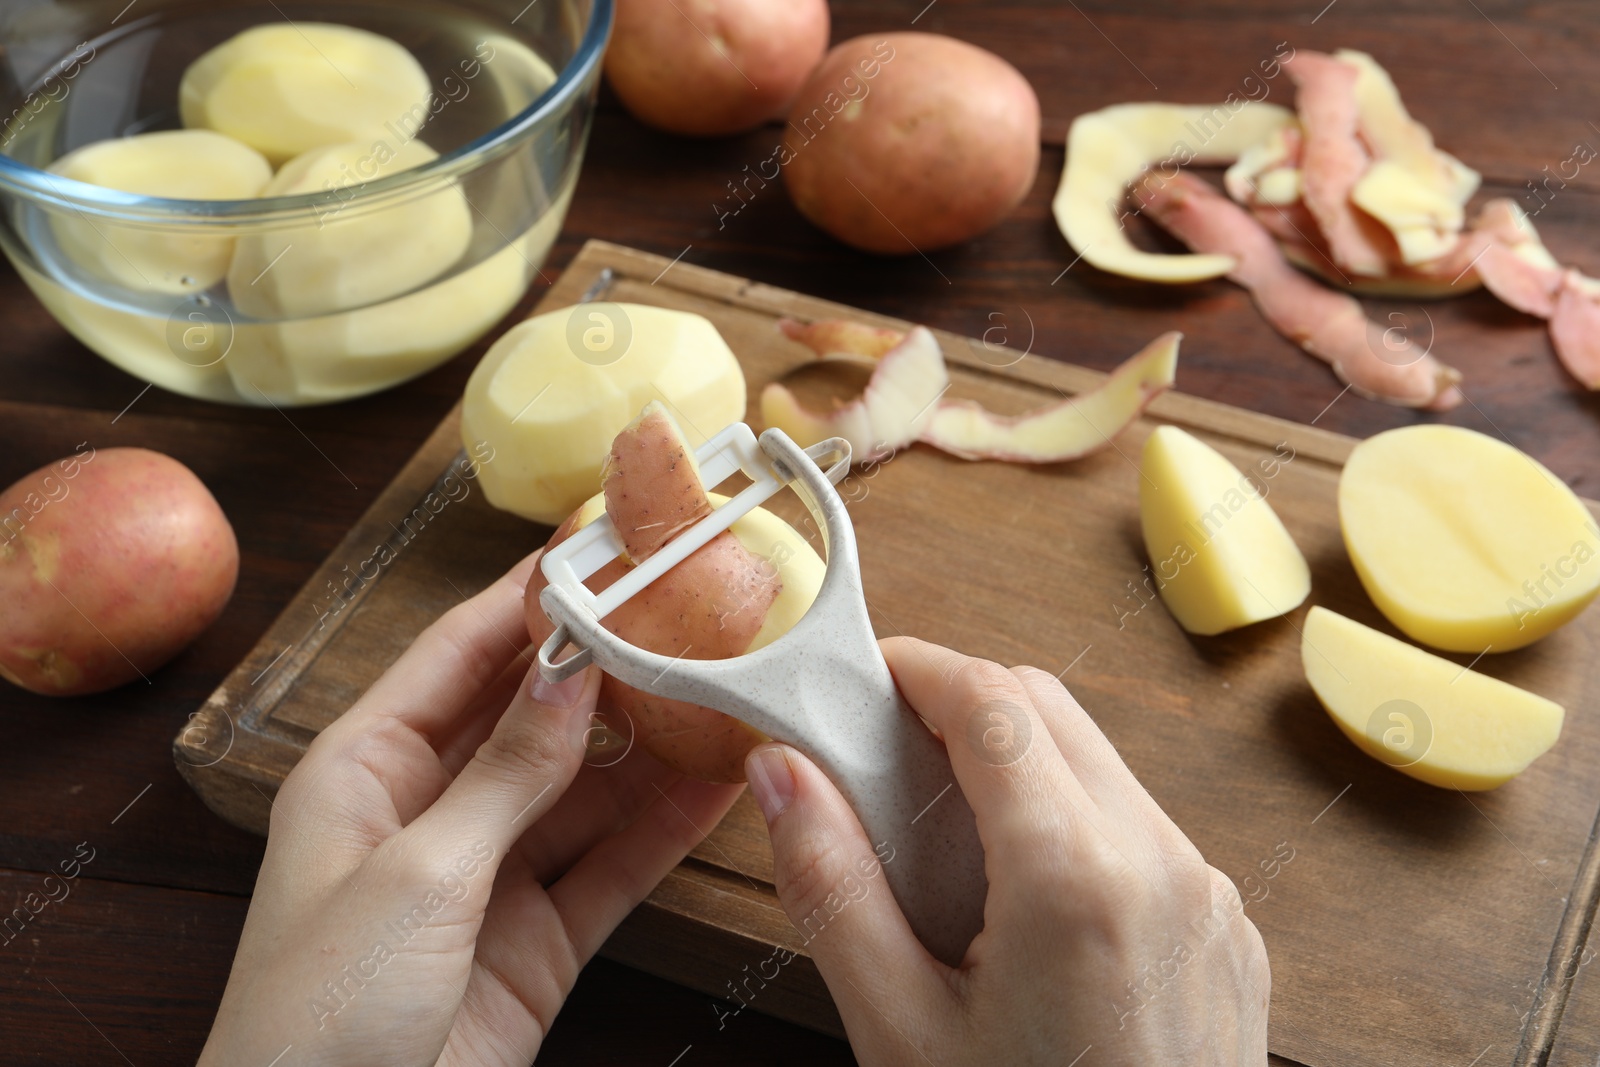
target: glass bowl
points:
(155, 286)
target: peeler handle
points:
(824, 688)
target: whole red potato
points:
(713, 67)
(905, 142)
(110, 563)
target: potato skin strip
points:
(1109, 148)
(1331, 326)
(1068, 429)
(1334, 159)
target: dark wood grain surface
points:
(129, 968)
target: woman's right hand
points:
(1107, 938)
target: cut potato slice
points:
(898, 404)
(1421, 714)
(1108, 149)
(1220, 555)
(173, 165)
(285, 89)
(1464, 542)
(1073, 427)
(552, 393)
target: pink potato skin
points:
(109, 571)
(664, 64)
(679, 610)
(906, 142)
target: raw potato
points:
(346, 262)
(1219, 553)
(172, 165)
(336, 357)
(1108, 149)
(110, 563)
(285, 89)
(713, 67)
(134, 342)
(1421, 714)
(1068, 429)
(552, 393)
(738, 593)
(1464, 542)
(908, 142)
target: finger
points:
(456, 745)
(519, 773)
(610, 881)
(1097, 765)
(451, 662)
(533, 943)
(1021, 790)
(600, 802)
(377, 779)
(1087, 750)
(831, 885)
(608, 793)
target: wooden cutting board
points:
(1406, 924)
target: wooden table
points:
(131, 966)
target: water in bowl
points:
(190, 334)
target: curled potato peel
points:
(910, 367)
(1110, 148)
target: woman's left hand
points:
(441, 865)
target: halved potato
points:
(1464, 542)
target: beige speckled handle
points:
(824, 688)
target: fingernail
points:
(564, 695)
(559, 694)
(771, 780)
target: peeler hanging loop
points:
(554, 670)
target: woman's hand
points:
(1107, 939)
(440, 865)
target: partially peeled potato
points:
(739, 592)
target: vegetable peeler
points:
(823, 687)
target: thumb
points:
(831, 883)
